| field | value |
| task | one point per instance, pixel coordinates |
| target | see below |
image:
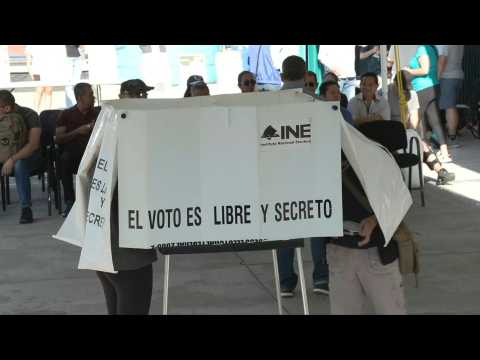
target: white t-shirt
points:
(358, 108)
(454, 54)
(340, 57)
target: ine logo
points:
(287, 132)
(269, 133)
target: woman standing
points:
(423, 69)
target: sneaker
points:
(444, 159)
(322, 288)
(445, 177)
(27, 216)
(453, 142)
(286, 293)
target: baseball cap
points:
(135, 85)
(194, 79)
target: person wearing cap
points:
(74, 126)
(129, 291)
(134, 88)
(194, 79)
(246, 82)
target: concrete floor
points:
(39, 275)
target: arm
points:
(32, 145)
(367, 54)
(442, 64)
(62, 137)
(367, 226)
(424, 66)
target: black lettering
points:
(292, 211)
(198, 220)
(160, 223)
(319, 204)
(138, 217)
(216, 222)
(169, 212)
(189, 216)
(301, 210)
(177, 217)
(102, 201)
(130, 219)
(229, 214)
(102, 165)
(327, 208)
(278, 207)
(246, 210)
(305, 130)
(94, 182)
(264, 212)
(238, 214)
(285, 211)
(310, 209)
(290, 130)
(151, 219)
(97, 220)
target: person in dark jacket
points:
(129, 291)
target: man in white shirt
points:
(340, 59)
(368, 105)
(451, 76)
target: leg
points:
(48, 96)
(110, 293)
(288, 278)
(383, 284)
(69, 162)
(319, 257)
(347, 296)
(134, 290)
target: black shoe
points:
(286, 293)
(68, 207)
(445, 177)
(27, 216)
(321, 288)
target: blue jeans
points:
(348, 87)
(23, 171)
(74, 75)
(288, 278)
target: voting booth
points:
(243, 170)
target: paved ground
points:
(38, 274)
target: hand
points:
(366, 228)
(84, 129)
(7, 168)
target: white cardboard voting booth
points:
(223, 168)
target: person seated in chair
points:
(28, 159)
(74, 126)
(368, 105)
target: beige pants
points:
(357, 275)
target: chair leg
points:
(2, 190)
(7, 188)
(43, 181)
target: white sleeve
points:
(442, 50)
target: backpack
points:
(13, 135)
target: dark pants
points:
(288, 278)
(129, 292)
(69, 162)
(429, 113)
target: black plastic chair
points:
(393, 136)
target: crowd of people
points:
(349, 269)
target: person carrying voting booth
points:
(360, 266)
(128, 292)
(293, 76)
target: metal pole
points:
(302, 280)
(166, 274)
(383, 63)
(277, 281)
